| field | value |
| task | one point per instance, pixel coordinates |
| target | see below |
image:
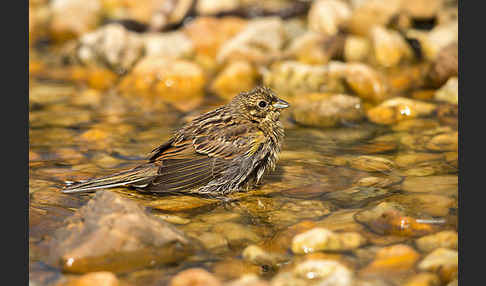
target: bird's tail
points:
(140, 176)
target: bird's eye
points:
(262, 104)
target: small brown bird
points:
(220, 152)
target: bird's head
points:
(259, 104)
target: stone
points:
(392, 259)
(423, 279)
(372, 164)
(326, 110)
(111, 233)
(440, 139)
(356, 196)
(389, 47)
(443, 142)
(412, 159)
(328, 16)
(449, 92)
(425, 205)
(248, 280)
(257, 255)
(111, 46)
(73, 18)
(314, 48)
(432, 42)
(445, 65)
(194, 277)
(212, 240)
(440, 258)
(96, 278)
(365, 82)
(416, 124)
(175, 45)
(236, 233)
(391, 218)
(236, 77)
(212, 7)
(231, 268)
(258, 42)
(321, 239)
(443, 239)
(315, 272)
(371, 13)
(176, 81)
(398, 109)
(208, 34)
(441, 185)
(356, 48)
(422, 9)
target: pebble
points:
(397, 109)
(73, 18)
(442, 260)
(194, 277)
(443, 239)
(365, 82)
(441, 185)
(102, 278)
(392, 259)
(389, 47)
(423, 279)
(321, 239)
(449, 92)
(328, 16)
(372, 164)
(326, 110)
(235, 77)
(356, 48)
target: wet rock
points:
(441, 260)
(111, 46)
(257, 255)
(315, 272)
(208, 34)
(407, 78)
(389, 47)
(448, 114)
(424, 204)
(399, 108)
(48, 94)
(378, 182)
(328, 16)
(281, 241)
(248, 280)
(230, 268)
(326, 110)
(339, 221)
(258, 42)
(437, 139)
(412, 159)
(391, 218)
(449, 92)
(365, 82)
(236, 233)
(237, 76)
(211, 240)
(434, 41)
(171, 45)
(443, 239)
(443, 185)
(96, 278)
(73, 18)
(372, 164)
(194, 277)
(111, 233)
(172, 80)
(356, 196)
(453, 283)
(414, 125)
(445, 65)
(392, 259)
(371, 13)
(292, 77)
(178, 203)
(356, 48)
(423, 279)
(211, 7)
(314, 48)
(321, 239)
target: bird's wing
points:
(198, 155)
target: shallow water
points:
(77, 133)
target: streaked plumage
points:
(222, 151)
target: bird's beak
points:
(281, 104)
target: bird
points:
(220, 152)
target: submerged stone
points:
(111, 233)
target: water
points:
(76, 133)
